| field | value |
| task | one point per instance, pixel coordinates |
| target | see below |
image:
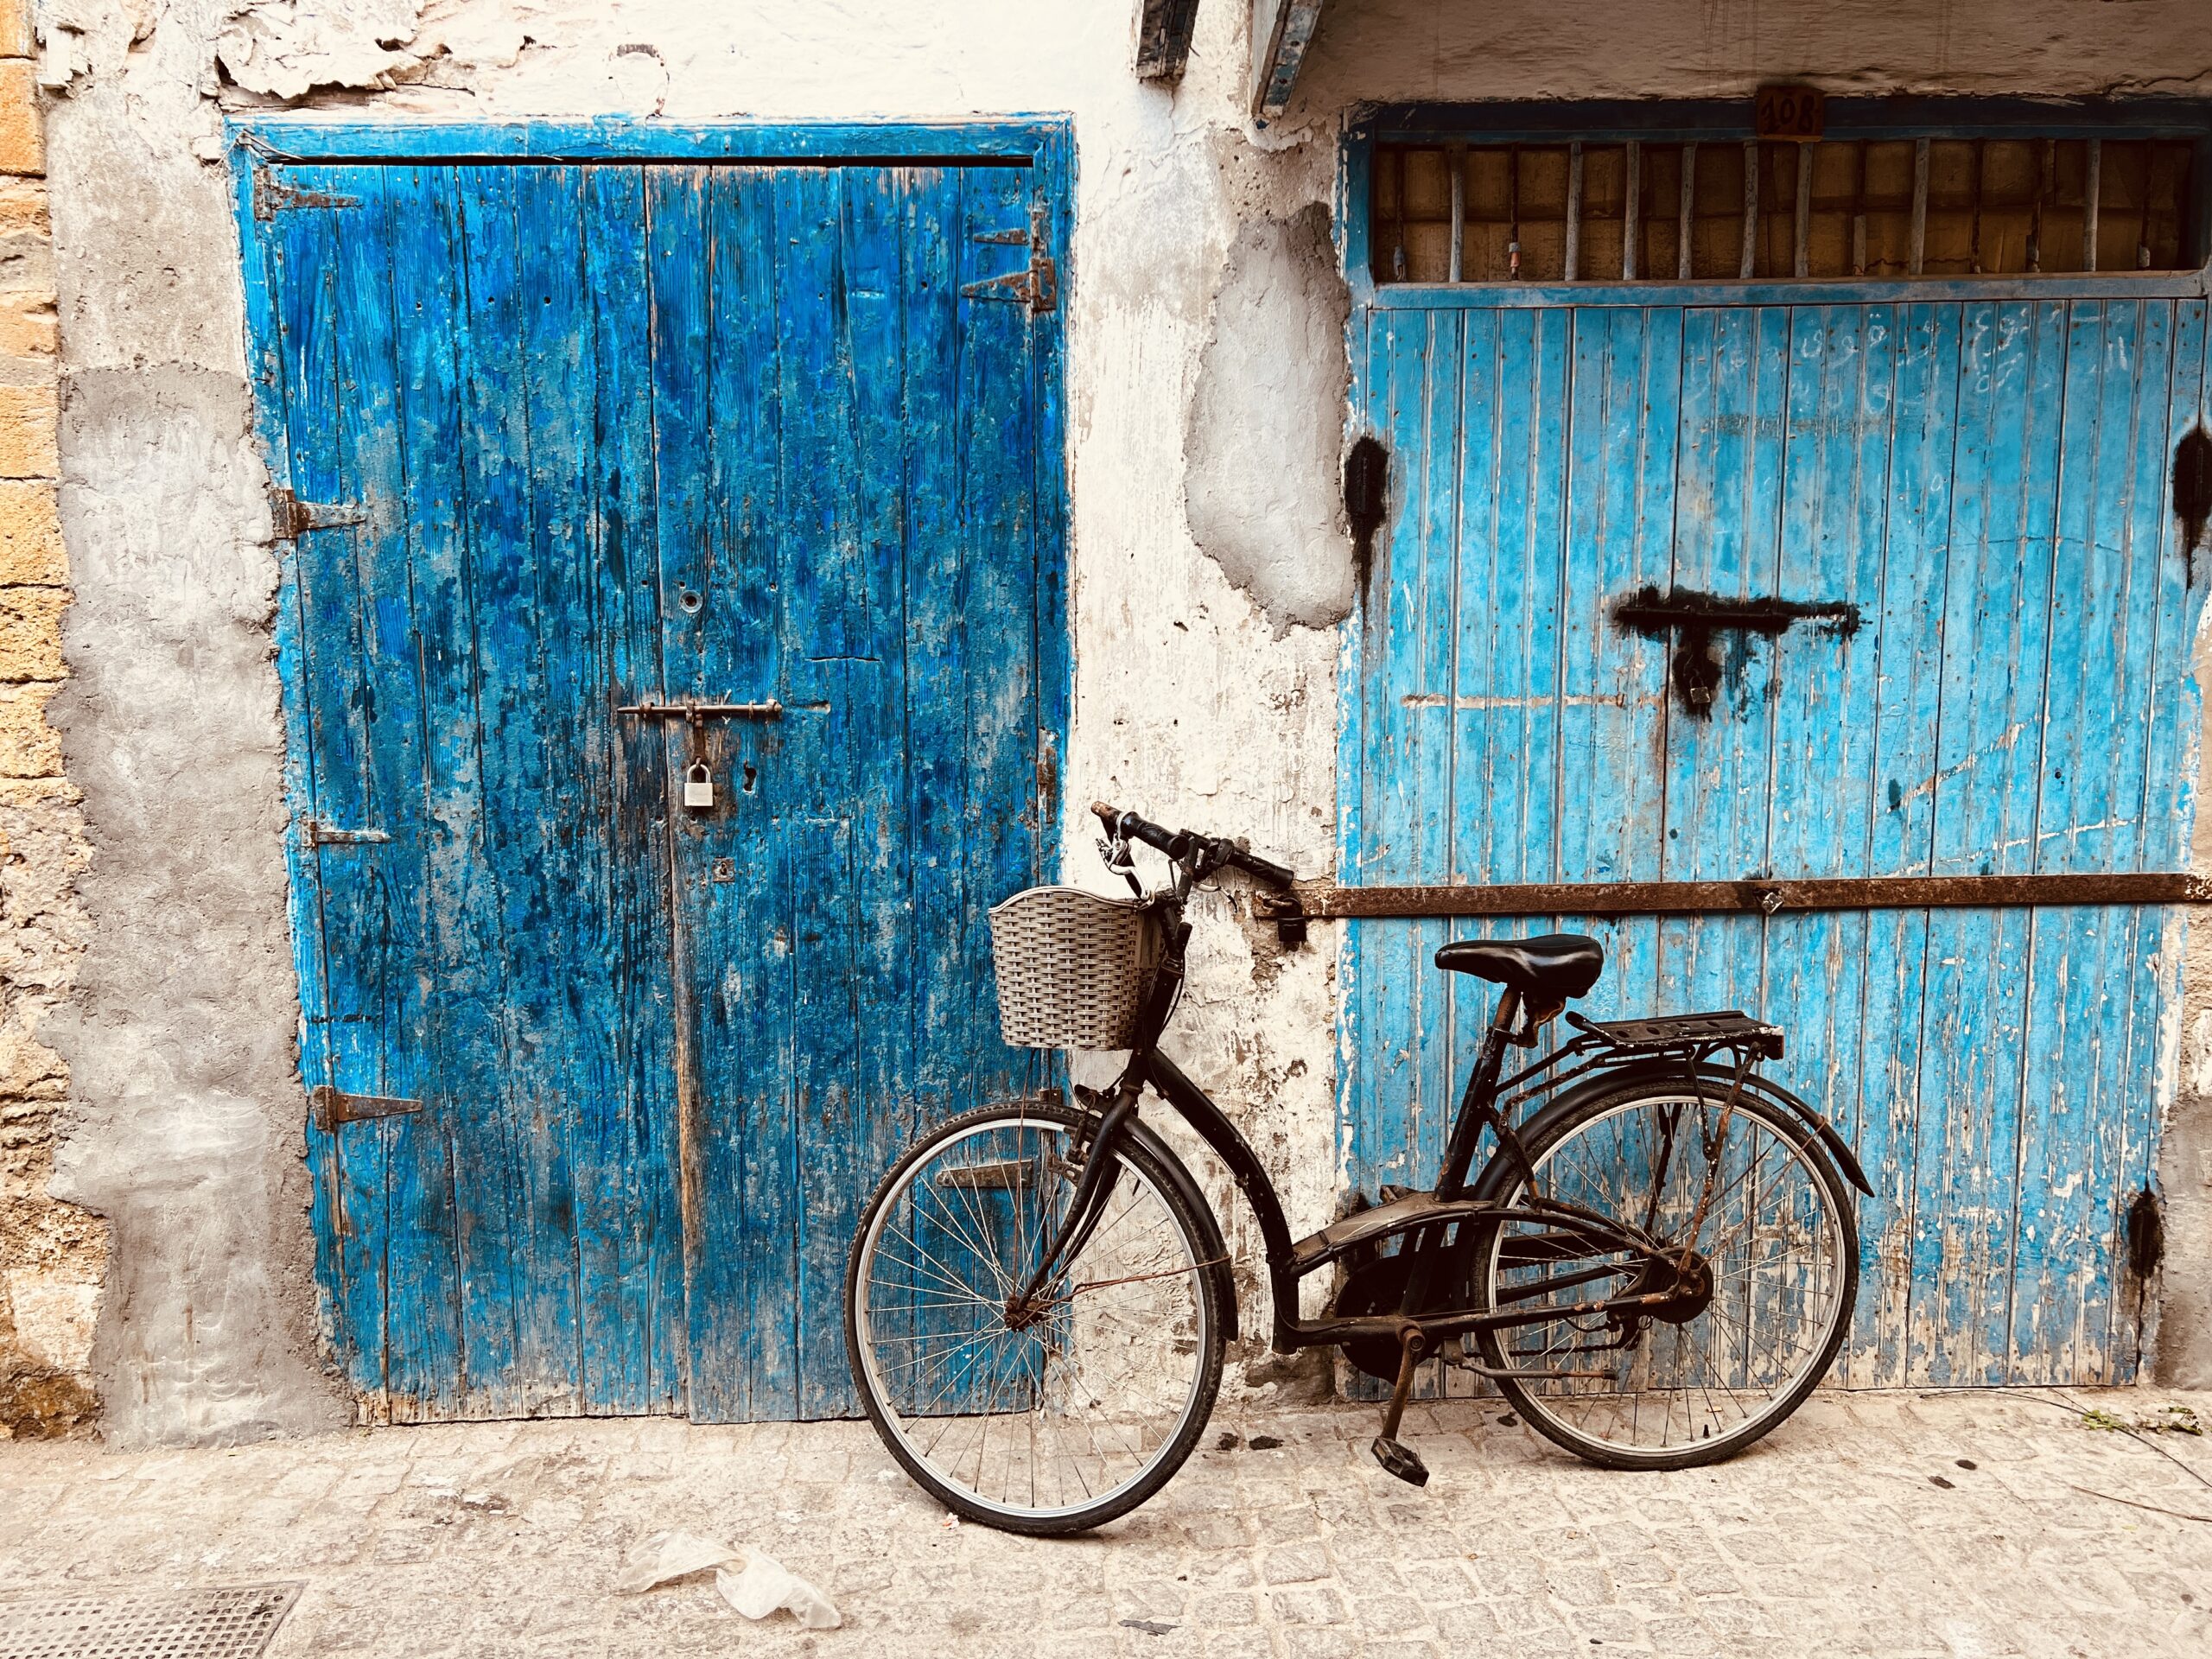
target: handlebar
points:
(1187, 845)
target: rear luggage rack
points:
(1727, 1028)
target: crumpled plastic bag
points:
(766, 1584)
(751, 1580)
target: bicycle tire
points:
(1557, 1126)
(1166, 1186)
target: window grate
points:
(226, 1621)
(1743, 210)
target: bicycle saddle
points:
(1548, 969)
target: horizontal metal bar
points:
(769, 710)
(1753, 897)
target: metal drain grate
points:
(220, 1622)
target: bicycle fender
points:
(1500, 1168)
(1186, 1187)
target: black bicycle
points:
(1656, 1264)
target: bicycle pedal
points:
(1401, 1461)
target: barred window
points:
(1741, 210)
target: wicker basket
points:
(1073, 967)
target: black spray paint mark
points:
(1695, 619)
(1367, 471)
(2192, 491)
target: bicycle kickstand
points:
(1394, 1455)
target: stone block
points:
(23, 208)
(29, 747)
(22, 147)
(30, 535)
(30, 634)
(29, 416)
(15, 30)
(28, 326)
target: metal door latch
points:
(332, 1106)
(688, 709)
(1039, 286)
(294, 517)
(1694, 618)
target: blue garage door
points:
(1969, 500)
(576, 443)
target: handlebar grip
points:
(1266, 870)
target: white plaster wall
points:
(1199, 700)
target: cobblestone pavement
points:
(1881, 1524)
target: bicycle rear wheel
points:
(1745, 1335)
(1063, 1416)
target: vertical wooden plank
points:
(934, 263)
(1916, 255)
(720, 304)
(2089, 965)
(1748, 266)
(1727, 525)
(1987, 752)
(1409, 767)
(1909, 629)
(1613, 711)
(1572, 267)
(997, 434)
(2172, 718)
(828, 926)
(413, 571)
(591, 998)
(822, 623)
(518, 1142)
(1685, 214)
(630, 1242)
(2092, 200)
(321, 254)
(465, 1029)
(886, 300)
(1632, 209)
(1841, 410)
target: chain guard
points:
(1379, 1286)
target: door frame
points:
(1043, 143)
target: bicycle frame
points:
(1288, 1262)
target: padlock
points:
(698, 785)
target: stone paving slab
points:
(1952, 1525)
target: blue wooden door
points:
(578, 441)
(1983, 484)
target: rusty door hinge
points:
(294, 517)
(270, 193)
(333, 1107)
(316, 833)
(1039, 286)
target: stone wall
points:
(53, 1255)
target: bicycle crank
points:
(1393, 1454)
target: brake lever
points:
(1116, 855)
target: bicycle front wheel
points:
(1745, 1203)
(1058, 1415)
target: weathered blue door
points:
(1979, 490)
(579, 441)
